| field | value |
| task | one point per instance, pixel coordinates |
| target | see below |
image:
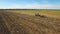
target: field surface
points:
(16, 23)
(49, 13)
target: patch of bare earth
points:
(14, 23)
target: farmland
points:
(19, 22)
(49, 13)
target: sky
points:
(29, 4)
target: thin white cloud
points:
(31, 6)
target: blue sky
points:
(30, 4)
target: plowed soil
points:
(15, 23)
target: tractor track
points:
(3, 27)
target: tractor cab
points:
(37, 14)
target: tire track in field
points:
(12, 25)
(3, 27)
